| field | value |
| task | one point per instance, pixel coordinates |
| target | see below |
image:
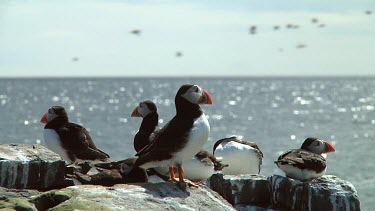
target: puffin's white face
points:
(143, 110)
(317, 146)
(51, 115)
(193, 94)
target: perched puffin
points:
(243, 157)
(69, 140)
(202, 166)
(149, 127)
(182, 137)
(148, 111)
(306, 163)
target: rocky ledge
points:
(29, 172)
(280, 193)
(25, 166)
(142, 196)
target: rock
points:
(325, 193)
(286, 192)
(25, 166)
(140, 196)
(242, 189)
(143, 196)
(16, 204)
(14, 199)
(51, 199)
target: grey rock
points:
(325, 193)
(286, 192)
(17, 199)
(242, 189)
(138, 196)
(25, 166)
(330, 193)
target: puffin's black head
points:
(193, 94)
(317, 146)
(52, 113)
(144, 108)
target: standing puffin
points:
(182, 137)
(243, 157)
(148, 111)
(149, 127)
(306, 163)
(69, 140)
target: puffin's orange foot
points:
(188, 182)
(191, 183)
(174, 179)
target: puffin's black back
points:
(303, 159)
(74, 138)
(148, 126)
(173, 136)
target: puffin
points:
(202, 166)
(182, 137)
(243, 157)
(149, 126)
(69, 140)
(306, 163)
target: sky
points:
(94, 38)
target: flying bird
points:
(178, 54)
(301, 46)
(252, 30)
(136, 32)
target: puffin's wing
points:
(303, 159)
(154, 133)
(153, 137)
(81, 144)
(171, 138)
(255, 146)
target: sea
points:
(277, 113)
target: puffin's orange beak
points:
(206, 98)
(44, 118)
(135, 113)
(328, 147)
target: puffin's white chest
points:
(242, 159)
(52, 141)
(197, 138)
(300, 174)
(197, 170)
